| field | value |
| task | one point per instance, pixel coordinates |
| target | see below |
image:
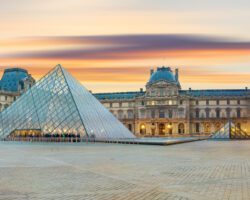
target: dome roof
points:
(11, 78)
(163, 74)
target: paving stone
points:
(198, 170)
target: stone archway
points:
(181, 128)
(161, 129)
(142, 129)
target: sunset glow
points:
(112, 46)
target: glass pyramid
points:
(230, 131)
(59, 104)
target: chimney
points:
(190, 89)
(246, 88)
(177, 74)
(151, 71)
(90, 91)
(141, 89)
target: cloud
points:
(126, 46)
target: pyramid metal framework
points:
(59, 104)
(230, 131)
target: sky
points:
(111, 45)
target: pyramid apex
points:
(59, 66)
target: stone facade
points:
(7, 98)
(166, 110)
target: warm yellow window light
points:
(142, 126)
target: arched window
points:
(207, 112)
(142, 114)
(217, 113)
(181, 128)
(228, 110)
(153, 113)
(161, 129)
(207, 128)
(238, 113)
(120, 114)
(142, 129)
(197, 113)
(202, 113)
(170, 113)
(181, 113)
(238, 125)
(130, 127)
(130, 114)
(197, 127)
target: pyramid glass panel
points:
(104, 125)
(59, 104)
(230, 131)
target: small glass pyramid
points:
(59, 104)
(230, 131)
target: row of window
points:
(218, 113)
(167, 102)
(217, 102)
(207, 113)
(120, 104)
(162, 92)
(162, 128)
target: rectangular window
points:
(197, 113)
(207, 102)
(238, 113)
(153, 114)
(207, 113)
(142, 114)
(197, 127)
(161, 114)
(218, 113)
(170, 113)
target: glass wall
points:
(59, 104)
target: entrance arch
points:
(161, 129)
(142, 129)
(181, 128)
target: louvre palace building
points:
(164, 109)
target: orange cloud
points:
(128, 58)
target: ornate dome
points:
(12, 77)
(163, 74)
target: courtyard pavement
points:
(197, 170)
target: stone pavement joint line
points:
(200, 170)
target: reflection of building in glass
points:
(14, 82)
(164, 109)
(59, 104)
